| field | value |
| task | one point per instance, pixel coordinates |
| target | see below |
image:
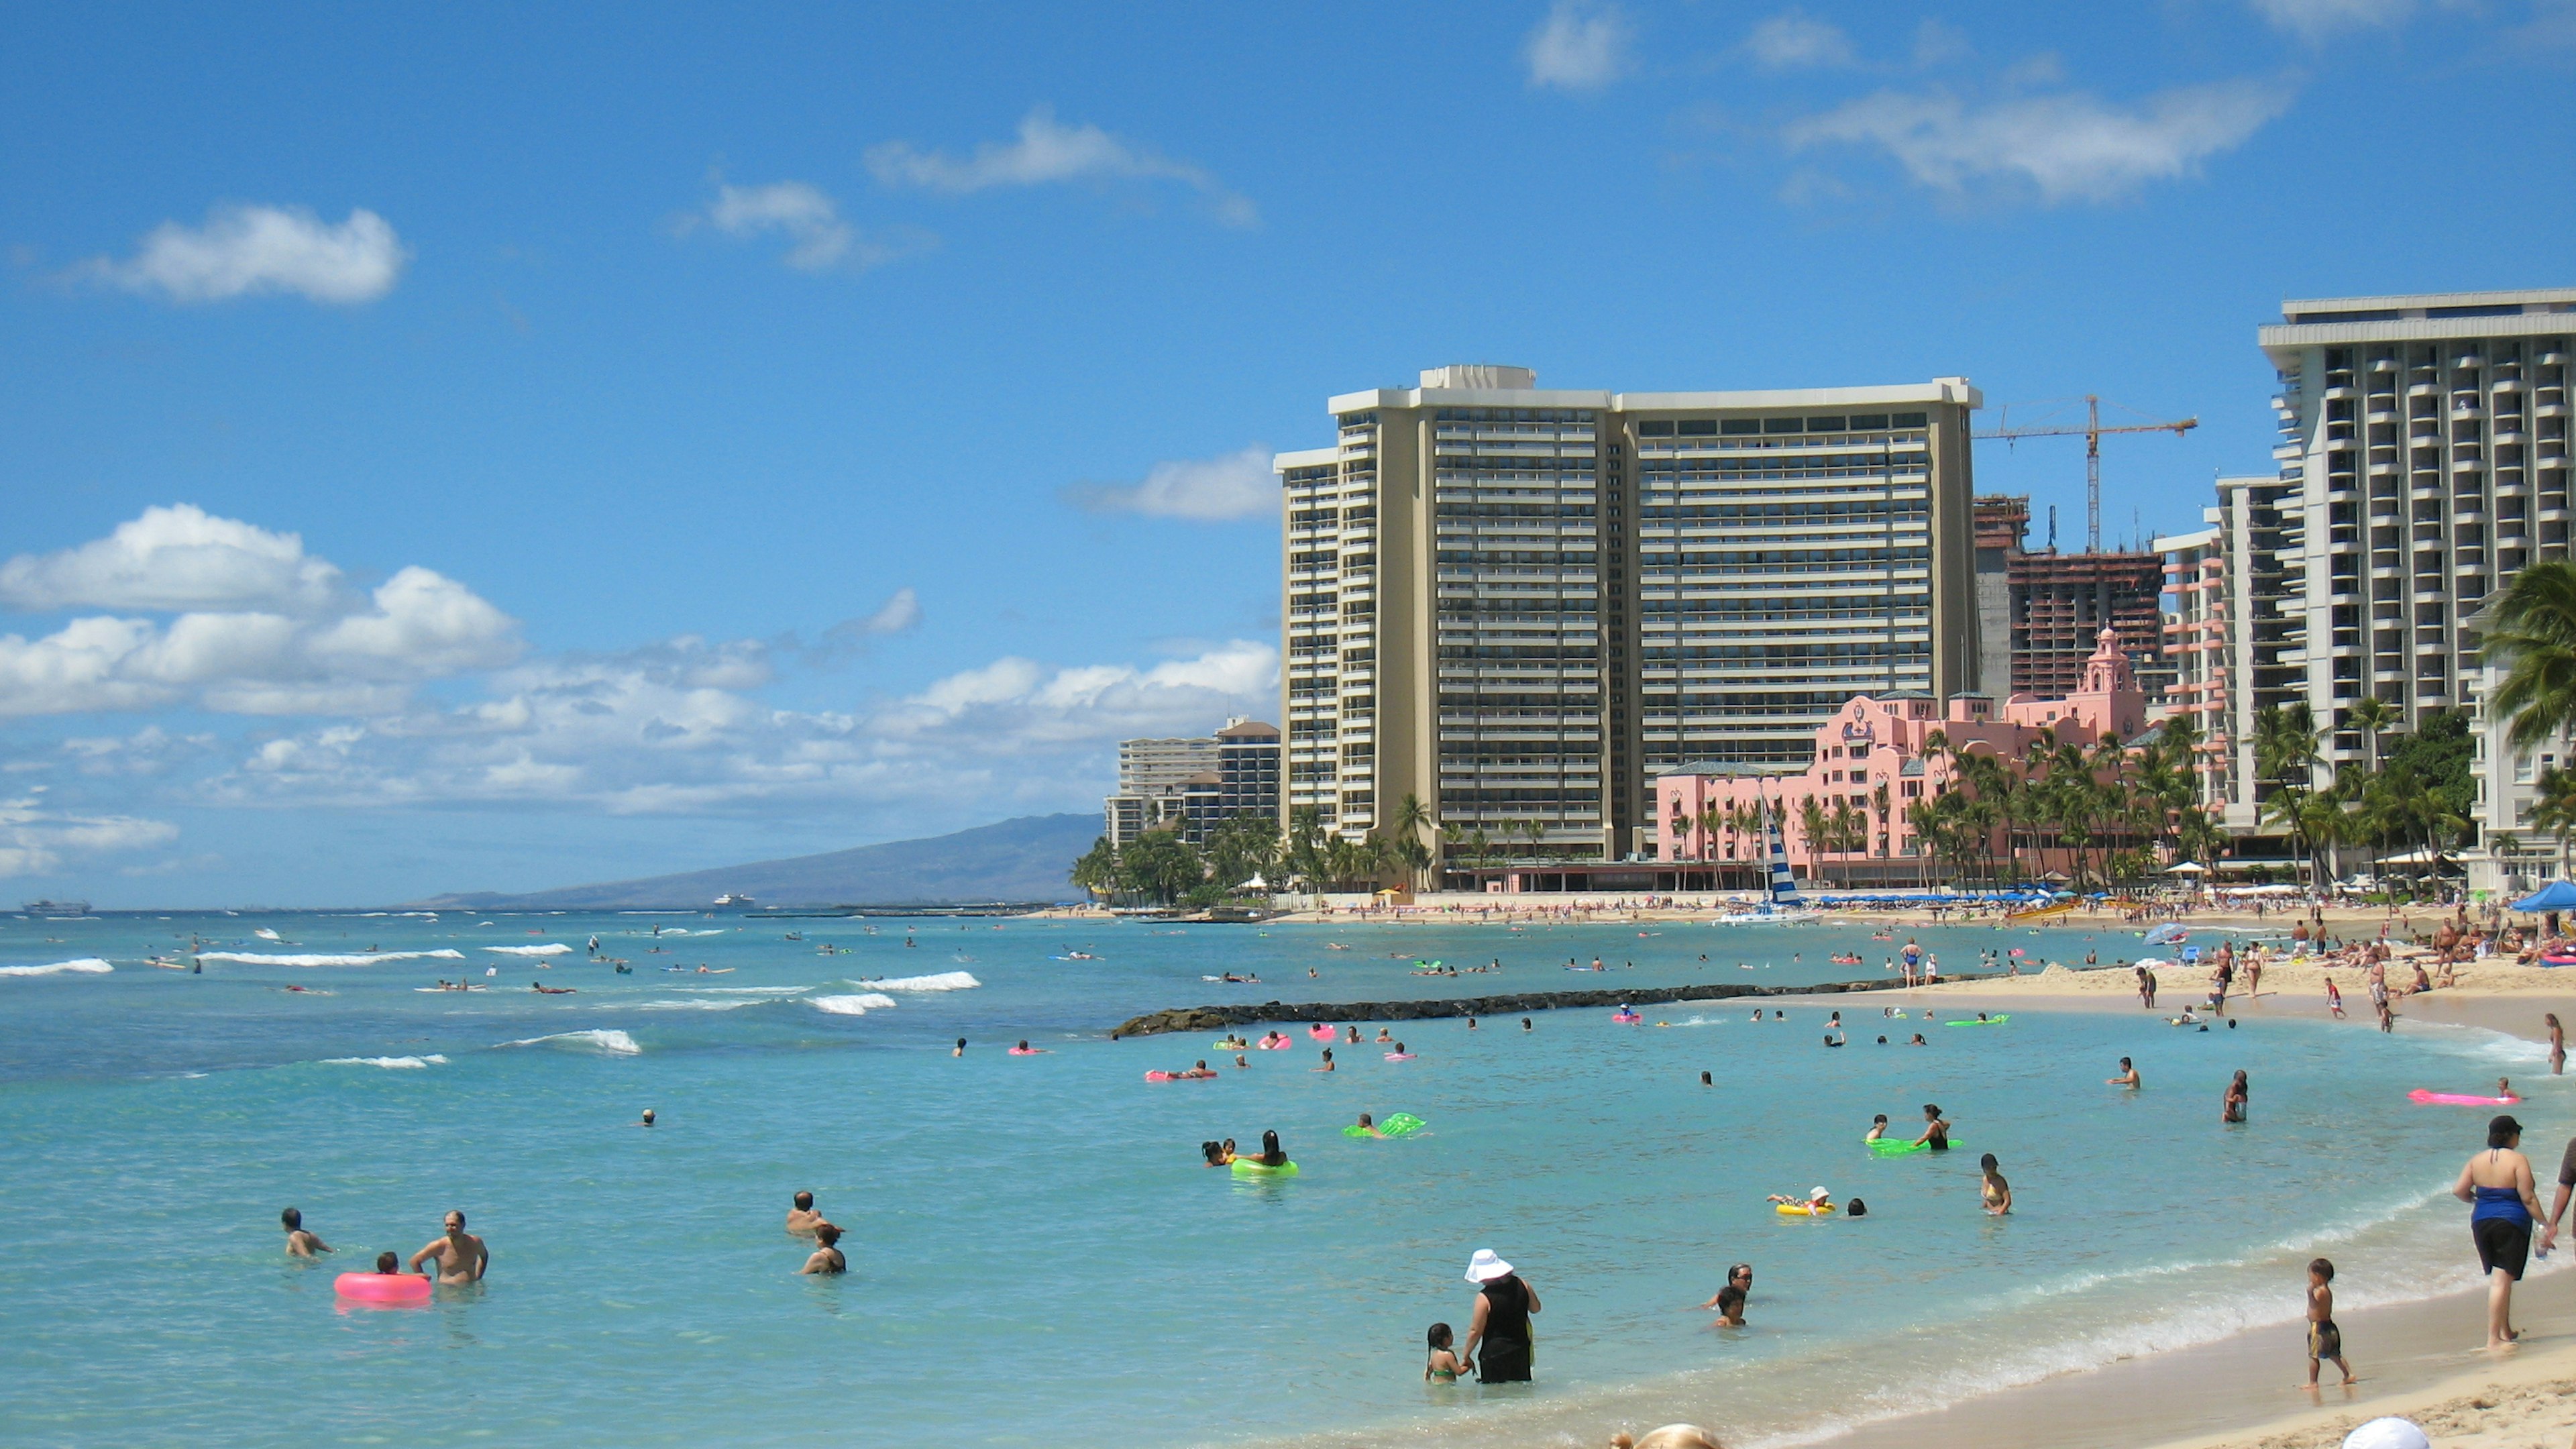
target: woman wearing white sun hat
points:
(1502, 1323)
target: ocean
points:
(1037, 1255)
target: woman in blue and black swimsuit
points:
(2498, 1180)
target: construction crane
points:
(2091, 432)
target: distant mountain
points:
(1028, 859)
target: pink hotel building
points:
(1875, 743)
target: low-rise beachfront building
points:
(1871, 764)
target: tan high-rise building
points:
(1519, 606)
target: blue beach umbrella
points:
(2558, 895)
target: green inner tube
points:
(1989, 1021)
(1899, 1146)
(1244, 1167)
(1397, 1124)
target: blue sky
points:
(483, 449)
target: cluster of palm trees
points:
(2112, 812)
(2370, 806)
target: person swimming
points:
(1936, 1131)
(1271, 1155)
(1368, 1126)
(1877, 1125)
(828, 1258)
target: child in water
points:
(388, 1263)
(1443, 1367)
(2325, 1341)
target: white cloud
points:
(150, 750)
(1794, 39)
(2315, 20)
(1047, 152)
(316, 651)
(636, 734)
(1231, 485)
(180, 557)
(820, 240)
(900, 611)
(1579, 47)
(2064, 147)
(35, 840)
(244, 250)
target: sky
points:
(490, 448)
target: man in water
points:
(461, 1256)
(301, 1244)
(2128, 1075)
(827, 1259)
(802, 1220)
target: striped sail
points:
(1784, 887)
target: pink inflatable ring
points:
(383, 1287)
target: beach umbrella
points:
(2186, 867)
(2558, 895)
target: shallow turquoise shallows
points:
(1037, 1255)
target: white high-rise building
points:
(1520, 605)
(2423, 460)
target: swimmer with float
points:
(1936, 1131)
(461, 1256)
(1817, 1203)
(1877, 1128)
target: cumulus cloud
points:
(645, 732)
(150, 750)
(1232, 485)
(258, 626)
(819, 240)
(2068, 147)
(179, 557)
(2315, 20)
(1795, 39)
(1578, 47)
(1046, 152)
(248, 250)
(35, 840)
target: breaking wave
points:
(365, 958)
(606, 1043)
(859, 1004)
(86, 966)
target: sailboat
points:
(1782, 907)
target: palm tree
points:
(2371, 715)
(1881, 806)
(2554, 809)
(2534, 638)
(2285, 743)
(1097, 871)
(1811, 831)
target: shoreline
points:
(2420, 1358)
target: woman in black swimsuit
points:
(1502, 1323)
(1936, 1133)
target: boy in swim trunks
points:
(2325, 1341)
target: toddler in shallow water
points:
(1443, 1366)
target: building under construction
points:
(2042, 613)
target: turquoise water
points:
(1036, 1255)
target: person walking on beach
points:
(1501, 1326)
(2498, 1181)
(2231, 1107)
(299, 1243)
(2558, 1203)
(2334, 999)
(462, 1257)
(2557, 1044)
(2325, 1341)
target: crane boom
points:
(2091, 432)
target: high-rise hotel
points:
(1520, 606)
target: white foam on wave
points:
(85, 966)
(391, 1063)
(858, 1004)
(551, 948)
(740, 990)
(943, 981)
(608, 1043)
(364, 958)
(689, 1004)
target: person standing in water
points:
(1501, 1326)
(802, 1219)
(461, 1256)
(299, 1243)
(2128, 1075)
(2498, 1181)
(2557, 1044)
(2231, 1107)
(1992, 1187)
(1936, 1132)
(827, 1257)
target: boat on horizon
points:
(56, 908)
(733, 898)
